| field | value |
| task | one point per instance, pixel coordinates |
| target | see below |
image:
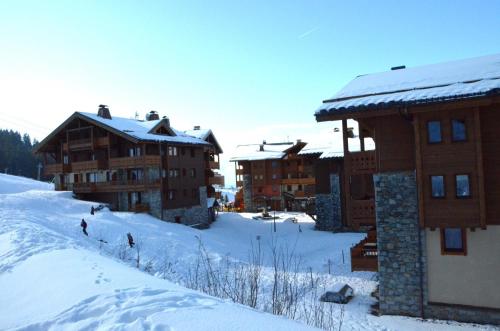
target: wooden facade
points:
(101, 163)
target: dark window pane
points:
(434, 131)
(437, 183)
(459, 132)
(453, 240)
(463, 186)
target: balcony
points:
(216, 180)
(239, 172)
(363, 162)
(115, 186)
(298, 181)
(134, 162)
(88, 165)
(82, 144)
(363, 213)
(56, 168)
(213, 164)
(239, 183)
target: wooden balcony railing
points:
(101, 141)
(363, 162)
(298, 181)
(239, 183)
(363, 213)
(216, 180)
(115, 186)
(56, 168)
(213, 165)
(134, 162)
(239, 171)
(80, 144)
(88, 165)
(364, 256)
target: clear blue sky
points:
(242, 68)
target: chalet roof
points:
(140, 129)
(448, 81)
(204, 134)
(325, 151)
(253, 152)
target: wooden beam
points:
(419, 169)
(361, 137)
(480, 169)
(347, 174)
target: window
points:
(459, 130)
(275, 176)
(300, 187)
(163, 173)
(462, 186)
(65, 159)
(172, 151)
(453, 241)
(288, 188)
(274, 164)
(261, 177)
(134, 151)
(437, 187)
(434, 132)
(183, 172)
(256, 177)
(171, 195)
(173, 173)
(192, 172)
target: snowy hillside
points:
(52, 277)
(15, 184)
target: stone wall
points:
(329, 207)
(399, 243)
(247, 193)
(122, 201)
(153, 198)
(463, 314)
(190, 215)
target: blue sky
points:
(250, 70)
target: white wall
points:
(472, 280)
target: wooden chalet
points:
(274, 175)
(134, 165)
(435, 193)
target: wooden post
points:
(361, 138)
(480, 169)
(418, 166)
(347, 173)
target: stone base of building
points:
(328, 207)
(188, 216)
(461, 313)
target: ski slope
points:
(52, 277)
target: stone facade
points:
(329, 207)
(153, 198)
(399, 242)
(190, 215)
(462, 314)
(247, 193)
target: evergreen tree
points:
(16, 154)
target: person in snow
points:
(92, 210)
(130, 240)
(83, 224)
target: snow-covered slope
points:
(15, 184)
(52, 277)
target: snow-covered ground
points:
(52, 277)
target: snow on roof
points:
(253, 152)
(140, 129)
(200, 133)
(437, 82)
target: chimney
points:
(197, 127)
(104, 112)
(299, 141)
(152, 116)
(264, 142)
(261, 147)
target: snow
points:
(443, 81)
(52, 277)
(140, 129)
(16, 184)
(253, 152)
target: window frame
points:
(445, 251)
(444, 186)
(452, 131)
(468, 181)
(440, 132)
